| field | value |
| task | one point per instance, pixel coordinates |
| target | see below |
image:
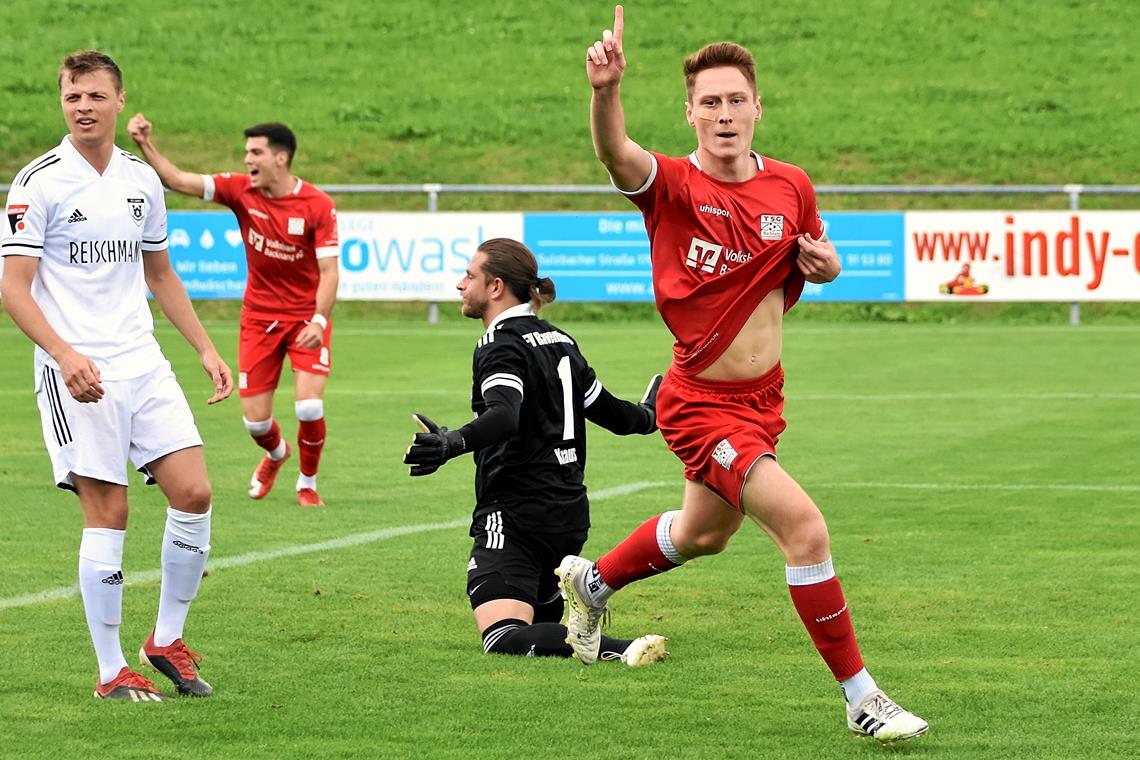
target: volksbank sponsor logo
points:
(104, 251)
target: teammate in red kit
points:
(289, 229)
(733, 236)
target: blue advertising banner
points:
(592, 257)
(871, 251)
(207, 252)
(605, 257)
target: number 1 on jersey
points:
(567, 398)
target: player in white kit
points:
(85, 237)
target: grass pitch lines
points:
(1049, 396)
(344, 542)
(1072, 487)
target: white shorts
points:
(141, 419)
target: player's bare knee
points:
(193, 497)
(703, 543)
(808, 542)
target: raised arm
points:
(187, 183)
(627, 162)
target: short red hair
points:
(720, 54)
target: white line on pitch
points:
(1106, 488)
(150, 576)
(1046, 396)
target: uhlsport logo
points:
(724, 454)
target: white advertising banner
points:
(413, 256)
(1022, 256)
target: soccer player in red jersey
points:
(291, 247)
(733, 236)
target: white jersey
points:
(90, 232)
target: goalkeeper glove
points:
(431, 448)
(649, 402)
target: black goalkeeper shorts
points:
(516, 563)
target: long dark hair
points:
(515, 265)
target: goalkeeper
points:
(532, 392)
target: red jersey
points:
(718, 248)
(283, 237)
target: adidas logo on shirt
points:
(115, 579)
(76, 216)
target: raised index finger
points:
(619, 22)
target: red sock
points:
(824, 612)
(270, 439)
(310, 441)
(638, 556)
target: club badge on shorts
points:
(136, 207)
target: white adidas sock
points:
(306, 481)
(101, 585)
(185, 547)
(858, 686)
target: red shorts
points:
(262, 346)
(720, 429)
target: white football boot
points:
(879, 716)
(584, 624)
(645, 650)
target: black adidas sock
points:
(613, 649)
(514, 636)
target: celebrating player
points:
(86, 237)
(531, 391)
(289, 229)
(733, 236)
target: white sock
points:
(185, 547)
(665, 538)
(101, 585)
(306, 481)
(858, 686)
(261, 427)
(596, 591)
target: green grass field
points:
(979, 476)
(454, 91)
(979, 482)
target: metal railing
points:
(433, 190)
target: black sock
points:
(613, 649)
(513, 636)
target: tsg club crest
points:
(771, 226)
(136, 206)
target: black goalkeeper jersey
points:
(536, 475)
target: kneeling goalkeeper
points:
(532, 392)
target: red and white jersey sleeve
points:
(718, 248)
(283, 237)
